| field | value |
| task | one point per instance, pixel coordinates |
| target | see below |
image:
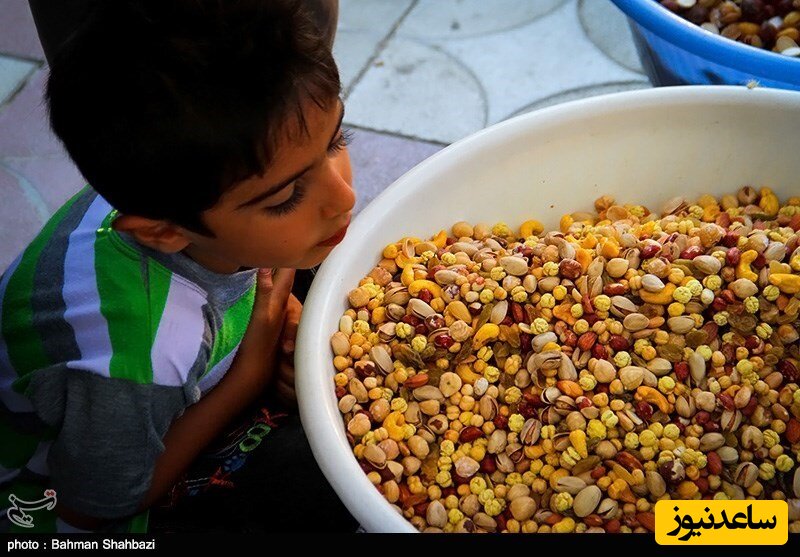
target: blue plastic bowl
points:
(674, 51)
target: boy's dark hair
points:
(165, 104)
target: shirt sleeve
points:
(109, 436)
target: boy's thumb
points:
(264, 279)
(274, 286)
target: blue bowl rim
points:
(694, 39)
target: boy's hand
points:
(284, 384)
(294, 310)
(257, 354)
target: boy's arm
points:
(248, 376)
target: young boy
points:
(144, 318)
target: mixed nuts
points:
(767, 24)
(527, 381)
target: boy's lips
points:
(336, 238)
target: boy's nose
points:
(341, 198)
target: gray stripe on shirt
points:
(47, 300)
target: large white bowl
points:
(641, 146)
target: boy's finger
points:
(294, 310)
(282, 281)
(289, 337)
(264, 279)
(264, 288)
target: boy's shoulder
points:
(82, 294)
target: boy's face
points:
(295, 213)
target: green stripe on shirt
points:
(234, 325)
(125, 299)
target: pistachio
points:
(681, 324)
(387, 331)
(428, 392)
(358, 390)
(522, 508)
(605, 450)
(514, 266)
(631, 377)
(728, 455)
(635, 322)
(340, 344)
(504, 463)
(652, 283)
(530, 432)
(608, 508)
(622, 306)
(707, 264)
(587, 500)
(497, 442)
(380, 355)
(697, 367)
(659, 366)
(742, 397)
(346, 403)
(617, 267)
(375, 455)
(485, 522)
(711, 442)
(488, 407)
(438, 424)
(397, 295)
(436, 515)
(430, 407)
(752, 438)
(604, 371)
(539, 341)
(743, 288)
(466, 467)
(655, 483)
(730, 420)
(445, 277)
(685, 406)
(570, 484)
(746, 474)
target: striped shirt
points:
(103, 343)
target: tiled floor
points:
(417, 75)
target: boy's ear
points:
(156, 234)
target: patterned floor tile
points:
(13, 73)
(419, 91)
(18, 36)
(449, 19)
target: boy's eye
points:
(289, 205)
(341, 141)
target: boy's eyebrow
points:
(278, 187)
